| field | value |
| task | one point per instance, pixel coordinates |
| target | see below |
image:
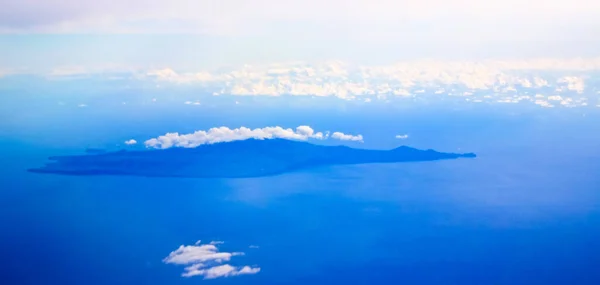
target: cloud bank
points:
(489, 81)
(528, 81)
(206, 260)
(225, 134)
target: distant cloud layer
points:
(545, 82)
(490, 81)
(206, 260)
(225, 134)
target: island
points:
(237, 159)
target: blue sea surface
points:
(525, 211)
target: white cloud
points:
(573, 83)
(225, 134)
(544, 104)
(206, 260)
(555, 98)
(224, 270)
(130, 142)
(540, 82)
(82, 105)
(402, 137)
(165, 73)
(344, 137)
(401, 92)
(198, 253)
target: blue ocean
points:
(525, 211)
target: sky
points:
(187, 34)
(544, 53)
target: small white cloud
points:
(344, 137)
(401, 92)
(215, 242)
(162, 73)
(198, 253)
(309, 132)
(573, 83)
(82, 105)
(130, 142)
(206, 260)
(224, 270)
(555, 98)
(544, 104)
(540, 82)
(254, 246)
(402, 137)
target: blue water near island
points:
(525, 211)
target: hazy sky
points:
(187, 34)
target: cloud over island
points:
(225, 134)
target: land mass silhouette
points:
(237, 159)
